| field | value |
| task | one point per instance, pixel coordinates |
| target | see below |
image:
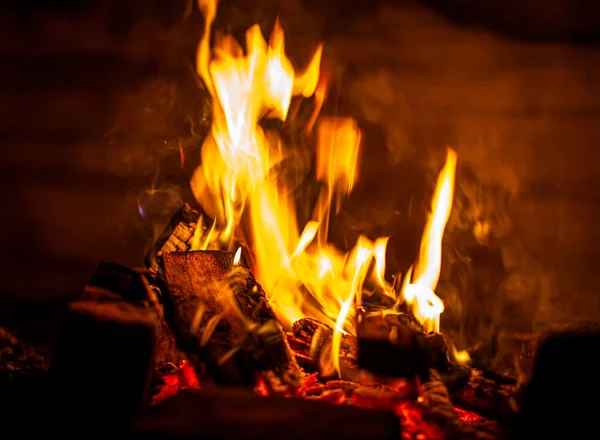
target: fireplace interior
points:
(300, 219)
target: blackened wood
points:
(103, 354)
(311, 341)
(493, 396)
(434, 396)
(394, 345)
(177, 236)
(220, 314)
(115, 282)
(166, 352)
(120, 279)
(235, 414)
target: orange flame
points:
(419, 294)
(239, 186)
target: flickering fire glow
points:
(240, 184)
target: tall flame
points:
(239, 186)
(420, 293)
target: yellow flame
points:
(461, 357)
(239, 186)
(237, 257)
(420, 293)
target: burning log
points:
(239, 414)
(435, 397)
(220, 314)
(310, 340)
(177, 236)
(395, 345)
(493, 396)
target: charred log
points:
(493, 396)
(177, 236)
(310, 340)
(103, 354)
(394, 345)
(119, 279)
(221, 316)
(434, 396)
(138, 287)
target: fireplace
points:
(299, 219)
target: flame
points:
(239, 185)
(461, 357)
(238, 256)
(420, 293)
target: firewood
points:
(116, 282)
(311, 340)
(493, 396)
(119, 279)
(237, 414)
(177, 236)
(435, 396)
(389, 345)
(103, 354)
(394, 345)
(221, 316)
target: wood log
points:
(311, 340)
(177, 236)
(221, 316)
(489, 394)
(138, 287)
(434, 396)
(238, 414)
(103, 354)
(119, 279)
(390, 345)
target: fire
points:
(240, 185)
(420, 293)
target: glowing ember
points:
(240, 184)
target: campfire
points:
(245, 302)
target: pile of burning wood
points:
(198, 320)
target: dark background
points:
(97, 97)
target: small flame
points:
(461, 357)
(237, 257)
(420, 293)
